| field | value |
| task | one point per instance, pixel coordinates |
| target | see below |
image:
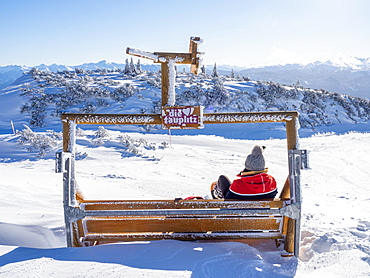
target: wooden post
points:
(291, 133)
(69, 185)
(293, 230)
(164, 58)
(193, 49)
(165, 83)
(66, 132)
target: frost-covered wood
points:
(208, 118)
(168, 61)
(142, 53)
(257, 117)
(107, 221)
(106, 119)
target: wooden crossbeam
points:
(290, 117)
(95, 205)
(180, 58)
(109, 237)
(184, 225)
(208, 118)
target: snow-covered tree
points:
(215, 72)
(138, 67)
(220, 93)
(203, 69)
(123, 92)
(132, 68)
(232, 74)
(127, 68)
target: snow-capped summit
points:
(349, 62)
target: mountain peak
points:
(349, 62)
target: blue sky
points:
(243, 32)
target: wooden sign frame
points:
(182, 117)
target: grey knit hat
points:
(255, 161)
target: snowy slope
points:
(37, 99)
(9, 74)
(335, 224)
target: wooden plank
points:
(209, 118)
(184, 225)
(171, 204)
(186, 57)
(110, 237)
(113, 119)
(141, 53)
(249, 117)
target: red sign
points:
(184, 117)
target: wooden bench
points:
(90, 222)
(112, 221)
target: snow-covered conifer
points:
(215, 72)
(138, 67)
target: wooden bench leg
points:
(289, 241)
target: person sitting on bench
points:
(253, 183)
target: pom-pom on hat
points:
(255, 161)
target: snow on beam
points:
(142, 54)
(113, 119)
(254, 117)
(208, 118)
(179, 58)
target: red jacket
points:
(257, 184)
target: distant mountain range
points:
(348, 75)
(8, 74)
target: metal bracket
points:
(304, 160)
(302, 155)
(60, 161)
(73, 214)
(292, 211)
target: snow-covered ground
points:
(122, 163)
(335, 224)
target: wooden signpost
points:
(187, 219)
(168, 61)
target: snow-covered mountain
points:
(39, 97)
(8, 74)
(349, 75)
